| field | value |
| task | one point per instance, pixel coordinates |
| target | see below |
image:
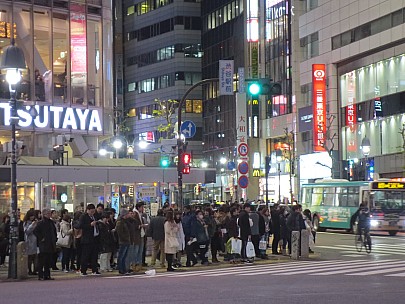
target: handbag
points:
(263, 243)
(172, 241)
(250, 250)
(236, 246)
(63, 239)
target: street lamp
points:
(366, 147)
(117, 143)
(13, 61)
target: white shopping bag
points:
(250, 250)
(236, 246)
(263, 243)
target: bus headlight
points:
(373, 223)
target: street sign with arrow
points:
(188, 129)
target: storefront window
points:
(375, 80)
(60, 57)
(94, 62)
(78, 43)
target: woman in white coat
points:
(180, 238)
(171, 242)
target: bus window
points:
(328, 198)
(341, 197)
(306, 197)
(353, 197)
(317, 195)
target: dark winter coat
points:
(122, 229)
(244, 225)
(134, 224)
(87, 229)
(232, 227)
(106, 238)
(198, 231)
(45, 231)
(157, 228)
(295, 222)
(186, 221)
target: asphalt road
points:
(336, 273)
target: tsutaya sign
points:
(54, 117)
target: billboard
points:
(319, 106)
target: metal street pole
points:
(12, 270)
(13, 61)
(179, 141)
(267, 168)
(279, 183)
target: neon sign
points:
(319, 106)
(54, 117)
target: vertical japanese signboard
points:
(226, 77)
(78, 41)
(242, 145)
(319, 106)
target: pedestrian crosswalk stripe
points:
(341, 264)
(294, 269)
(375, 249)
(356, 267)
(360, 267)
(384, 270)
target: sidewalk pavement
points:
(59, 275)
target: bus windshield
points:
(387, 201)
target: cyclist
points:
(363, 216)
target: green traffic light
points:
(164, 163)
(254, 89)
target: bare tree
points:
(165, 112)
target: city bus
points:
(333, 202)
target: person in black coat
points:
(45, 231)
(199, 232)
(244, 225)
(89, 240)
(275, 228)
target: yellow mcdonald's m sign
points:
(257, 173)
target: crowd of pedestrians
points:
(93, 240)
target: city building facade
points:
(359, 48)
(68, 80)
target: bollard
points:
(304, 243)
(22, 261)
(295, 245)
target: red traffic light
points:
(186, 158)
(186, 170)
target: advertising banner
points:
(319, 106)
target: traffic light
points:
(186, 158)
(263, 86)
(164, 161)
(185, 162)
(186, 170)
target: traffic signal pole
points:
(180, 142)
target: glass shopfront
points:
(67, 52)
(373, 106)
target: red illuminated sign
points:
(351, 113)
(319, 105)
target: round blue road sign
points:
(243, 167)
(243, 181)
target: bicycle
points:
(363, 239)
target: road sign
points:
(243, 149)
(243, 181)
(231, 165)
(188, 129)
(243, 167)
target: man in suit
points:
(89, 240)
(45, 232)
